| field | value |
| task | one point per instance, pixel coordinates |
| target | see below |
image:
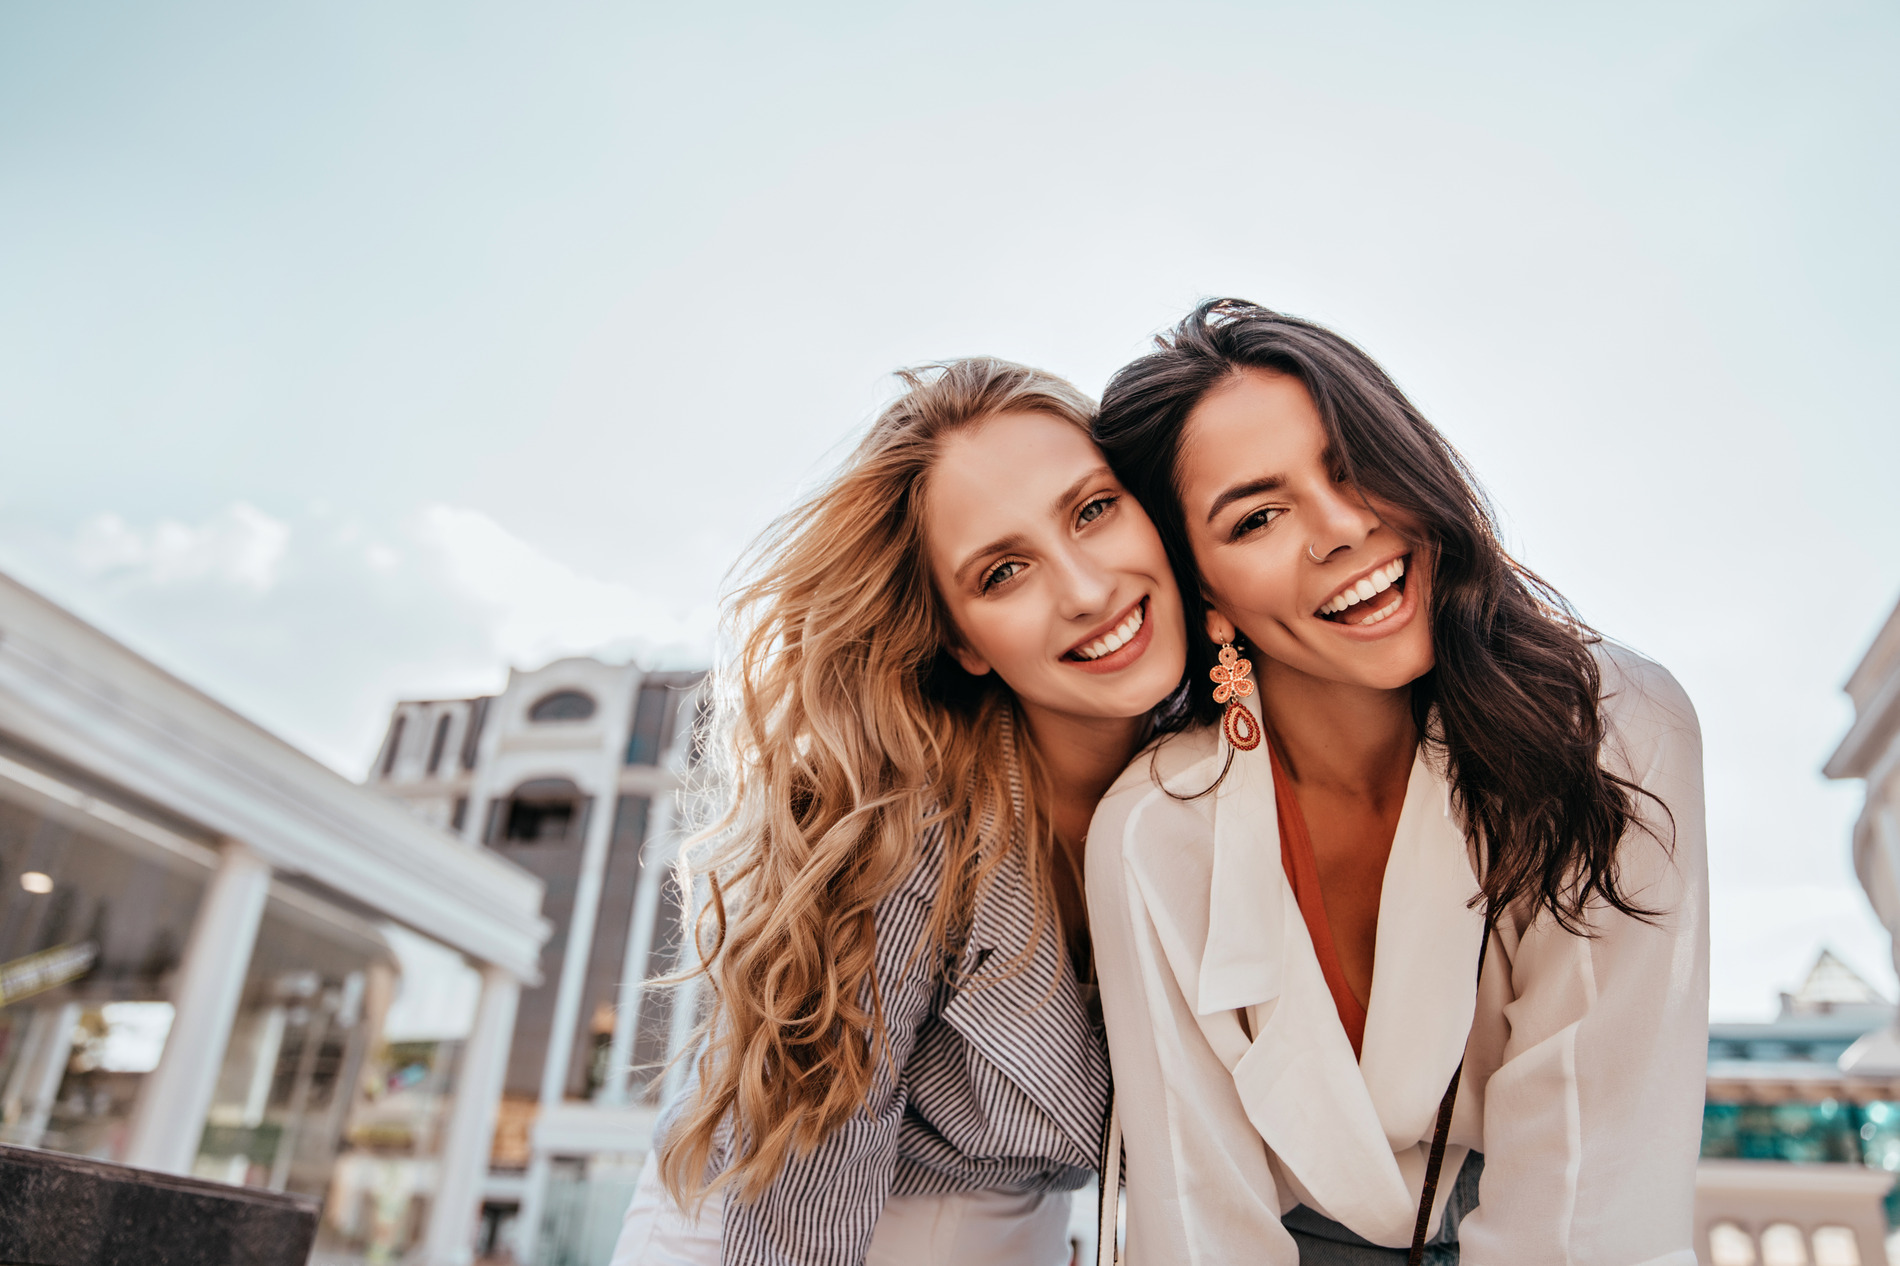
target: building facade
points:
(1871, 752)
(571, 773)
(197, 927)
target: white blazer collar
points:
(1348, 1134)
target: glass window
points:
(395, 743)
(563, 705)
(441, 741)
(541, 811)
(87, 945)
(656, 712)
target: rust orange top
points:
(1302, 871)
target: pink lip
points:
(1123, 656)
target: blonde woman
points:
(944, 658)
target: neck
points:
(1082, 756)
(1359, 740)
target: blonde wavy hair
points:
(839, 733)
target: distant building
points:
(1871, 752)
(1798, 1150)
(197, 925)
(1821, 1083)
(570, 773)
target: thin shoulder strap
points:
(1443, 1132)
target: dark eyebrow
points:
(1057, 505)
(1253, 487)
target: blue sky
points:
(351, 352)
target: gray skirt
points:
(1324, 1242)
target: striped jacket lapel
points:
(1022, 1010)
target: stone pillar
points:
(169, 1117)
(567, 1006)
(470, 1136)
(655, 857)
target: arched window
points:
(1730, 1245)
(563, 705)
(541, 811)
(1836, 1246)
(1783, 1245)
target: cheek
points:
(1000, 633)
(1252, 580)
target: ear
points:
(971, 662)
(1219, 627)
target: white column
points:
(655, 857)
(34, 1086)
(567, 1005)
(170, 1115)
(450, 1239)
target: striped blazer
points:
(998, 1081)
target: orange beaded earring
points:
(1232, 686)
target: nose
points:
(1342, 521)
(1084, 587)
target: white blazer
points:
(1584, 1057)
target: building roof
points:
(90, 703)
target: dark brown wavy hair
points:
(1514, 696)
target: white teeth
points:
(1376, 583)
(1114, 639)
(1380, 614)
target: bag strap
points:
(1108, 1208)
(1436, 1162)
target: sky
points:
(355, 352)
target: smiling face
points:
(1263, 498)
(1052, 573)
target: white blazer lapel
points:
(1346, 1132)
(1424, 980)
(1243, 963)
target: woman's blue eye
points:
(1095, 509)
(999, 573)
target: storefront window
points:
(92, 921)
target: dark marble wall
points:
(60, 1210)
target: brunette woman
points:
(1472, 837)
(944, 658)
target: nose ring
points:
(1310, 554)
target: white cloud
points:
(543, 607)
(241, 546)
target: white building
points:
(571, 774)
(195, 936)
(1871, 752)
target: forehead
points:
(1258, 412)
(1002, 476)
(1257, 424)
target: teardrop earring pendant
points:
(1231, 686)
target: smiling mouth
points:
(1369, 599)
(1113, 640)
